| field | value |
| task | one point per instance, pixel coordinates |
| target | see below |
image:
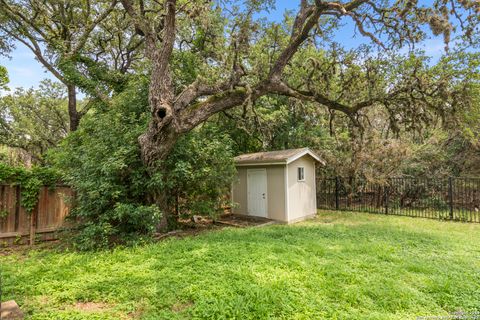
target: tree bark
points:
(74, 116)
(161, 200)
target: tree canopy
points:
(253, 58)
(231, 52)
(34, 120)
(76, 41)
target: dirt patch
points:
(190, 228)
(242, 221)
(187, 230)
(24, 249)
(137, 314)
(180, 306)
(91, 306)
(43, 300)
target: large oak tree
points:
(232, 70)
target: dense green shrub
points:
(200, 172)
(114, 190)
(101, 162)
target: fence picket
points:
(15, 223)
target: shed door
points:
(257, 192)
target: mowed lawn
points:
(337, 266)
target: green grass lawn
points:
(337, 266)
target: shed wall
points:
(275, 191)
(240, 191)
(302, 197)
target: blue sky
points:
(25, 71)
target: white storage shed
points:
(278, 185)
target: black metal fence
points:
(450, 199)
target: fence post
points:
(385, 191)
(337, 205)
(450, 196)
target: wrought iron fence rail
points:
(450, 199)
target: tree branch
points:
(84, 37)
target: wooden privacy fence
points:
(16, 225)
(449, 199)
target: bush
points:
(200, 172)
(103, 233)
(101, 162)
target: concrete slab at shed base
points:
(10, 311)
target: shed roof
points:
(275, 157)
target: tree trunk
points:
(156, 144)
(155, 147)
(73, 114)
(159, 139)
(161, 200)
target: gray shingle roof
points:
(280, 156)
